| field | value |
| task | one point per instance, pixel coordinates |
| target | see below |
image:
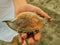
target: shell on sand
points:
(26, 21)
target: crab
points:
(26, 22)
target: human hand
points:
(28, 8)
(30, 40)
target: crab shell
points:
(26, 21)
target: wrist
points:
(19, 2)
(17, 5)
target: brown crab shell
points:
(26, 21)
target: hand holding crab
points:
(31, 8)
(30, 36)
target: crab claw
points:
(11, 24)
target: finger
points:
(50, 19)
(37, 36)
(24, 43)
(31, 41)
(39, 11)
(21, 40)
(24, 35)
(21, 37)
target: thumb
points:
(41, 12)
